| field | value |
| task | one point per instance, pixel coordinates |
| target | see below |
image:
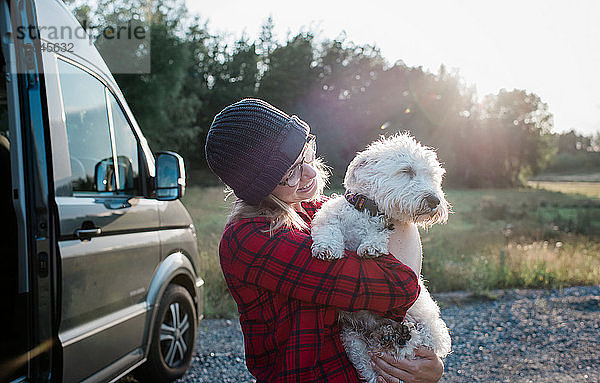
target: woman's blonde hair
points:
(281, 214)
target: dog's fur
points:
(402, 177)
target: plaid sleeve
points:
(283, 263)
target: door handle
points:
(84, 234)
(117, 204)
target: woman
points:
(288, 301)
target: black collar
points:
(362, 203)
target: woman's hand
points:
(427, 368)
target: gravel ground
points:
(521, 336)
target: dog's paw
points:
(327, 253)
(370, 251)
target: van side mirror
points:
(170, 176)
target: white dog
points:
(398, 180)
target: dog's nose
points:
(432, 201)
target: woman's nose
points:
(308, 172)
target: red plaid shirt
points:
(288, 301)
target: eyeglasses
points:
(309, 154)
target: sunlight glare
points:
(385, 125)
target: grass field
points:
(590, 189)
(495, 238)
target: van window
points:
(88, 134)
(127, 149)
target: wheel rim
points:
(174, 335)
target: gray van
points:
(99, 263)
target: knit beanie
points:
(251, 145)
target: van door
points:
(31, 318)
(109, 244)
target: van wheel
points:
(173, 338)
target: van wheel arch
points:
(186, 282)
(173, 337)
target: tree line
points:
(348, 93)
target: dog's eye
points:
(410, 171)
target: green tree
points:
(235, 74)
(267, 42)
(290, 75)
(220, 76)
(164, 101)
(521, 123)
(165, 111)
(341, 107)
(572, 142)
(346, 92)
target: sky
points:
(550, 48)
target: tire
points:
(173, 338)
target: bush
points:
(579, 162)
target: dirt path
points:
(523, 336)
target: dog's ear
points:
(350, 178)
(358, 163)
